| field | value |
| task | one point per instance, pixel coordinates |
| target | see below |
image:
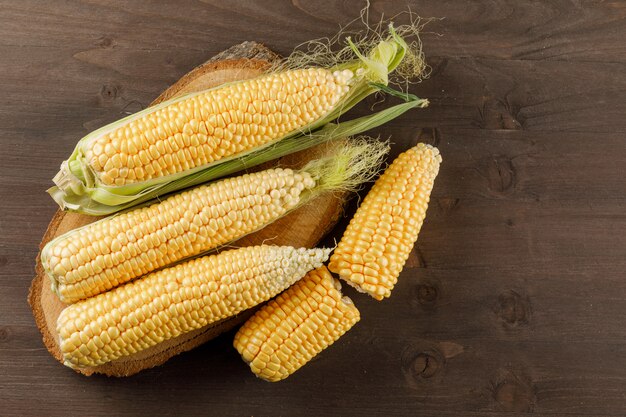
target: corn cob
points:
(213, 125)
(176, 300)
(381, 235)
(290, 330)
(138, 156)
(102, 255)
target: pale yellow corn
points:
(290, 330)
(381, 235)
(177, 300)
(115, 250)
(215, 124)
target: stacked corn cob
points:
(128, 276)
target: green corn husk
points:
(78, 188)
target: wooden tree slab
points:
(303, 227)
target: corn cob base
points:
(307, 225)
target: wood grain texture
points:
(514, 300)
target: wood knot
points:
(426, 294)
(5, 333)
(513, 309)
(499, 173)
(105, 42)
(425, 365)
(418, 365)
(109, 93)
(429, 135)
(3, 261)
(448, 204)
(499, 114)
(425, 360)
(512, 392)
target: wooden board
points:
(303, 227)
(520, 262)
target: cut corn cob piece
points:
(176, 300)
(290, 330)
(381, 235)
(102, 255)
(138, 156)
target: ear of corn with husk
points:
(84, 204)
(134, 158)
(102, 255)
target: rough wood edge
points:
(34, 292)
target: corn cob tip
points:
(48, 270)
(381, 235)
(64, 179)
(66, 183)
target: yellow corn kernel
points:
(120, 248)
(135, 316)
(381, 235)
(290, 330)
(216, 113)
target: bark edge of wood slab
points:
(304, 227)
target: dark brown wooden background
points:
(515, 297)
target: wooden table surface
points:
(514, 299)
